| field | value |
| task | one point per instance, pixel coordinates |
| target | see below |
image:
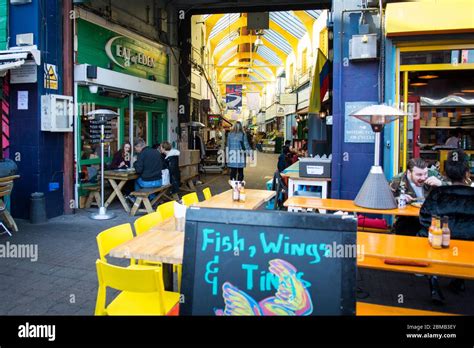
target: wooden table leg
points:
(118, 192)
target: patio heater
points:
(375, 193)
(102, 117)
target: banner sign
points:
(233, 96)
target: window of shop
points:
(139, 125)
(436, 87)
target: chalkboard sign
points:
(268, 263)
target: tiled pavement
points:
(63, 279)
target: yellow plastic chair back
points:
(142, 291)
(112, 237)
(207, 193)
(166, 210)
(144, 223)
(190, 199)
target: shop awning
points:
(303, 111)
(17, 56)
(429, 16)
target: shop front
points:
(433, 81)
(119, 71)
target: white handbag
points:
(165, 177)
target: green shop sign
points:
(107, 49)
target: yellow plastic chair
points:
(113, 237)
(144, 223)
(207, 193)
(142, 291)
(166, 210)
(190, 199)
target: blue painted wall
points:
(39, 154)
(355, 82)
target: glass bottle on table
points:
(446, 239)
(242, 192)
(437, 233)
(430, 230)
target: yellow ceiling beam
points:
(292, 40)
(263, 73)
(249, 39)
(239, 23)
(240, 55)
(307, 21)
(211, 22)
(261, 70)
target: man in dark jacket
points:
(415, 183)
(172, 164)
(148, 165)
(457, 203)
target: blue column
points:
(353, 82)
(39, 155)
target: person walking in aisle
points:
(237, 145)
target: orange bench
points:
(369, 309)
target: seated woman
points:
(121, 158)
(455, 201)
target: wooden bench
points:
(365, 309)
(93, 198)
(142, 196)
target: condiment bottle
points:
(430, 230)
(402, 202)
(235, 191)
(437, 239)
(446, 239)
(242, 192)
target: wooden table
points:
(122, 177)
(346, 205)
(294, 179)
(161, 243)
(375, 248)
(254, 199)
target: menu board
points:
(240, 262)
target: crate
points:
(315, 168)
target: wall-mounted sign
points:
(27, 73)
(105, 48)
(266, 263)
(355, 130)
(122, 53)
(288, 98)
(280, 110)
(50, 76)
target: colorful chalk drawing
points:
(291, 298)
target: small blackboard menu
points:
(240, 262)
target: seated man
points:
(148, 165)
(415, 183)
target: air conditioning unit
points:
(57, 112)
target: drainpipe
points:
(68, 89)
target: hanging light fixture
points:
(428, 77)
(258, 42)
(418, 83)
